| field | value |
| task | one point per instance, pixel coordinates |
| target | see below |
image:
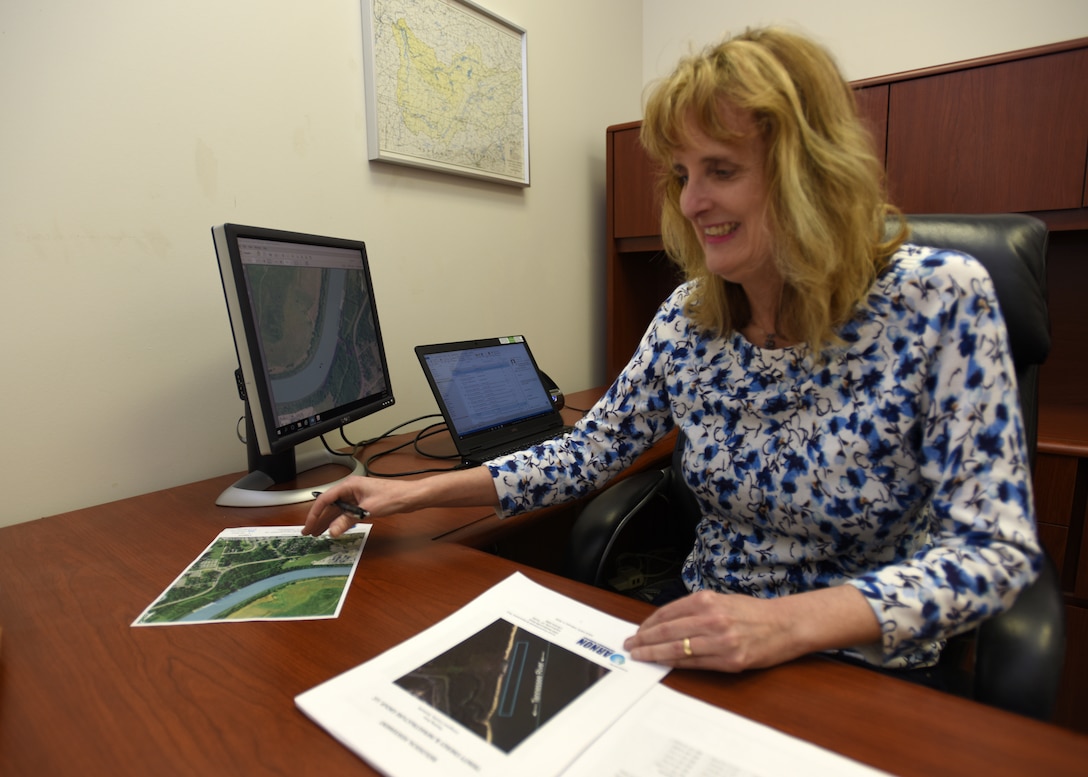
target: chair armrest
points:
(1021, 652)
(597, 526)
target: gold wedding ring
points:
(687, 647)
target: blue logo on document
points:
(601, 650)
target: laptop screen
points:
(487, 384)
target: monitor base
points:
(251, 490)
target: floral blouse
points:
(896, 463)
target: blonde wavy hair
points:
(827, 206)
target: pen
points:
(353, 510)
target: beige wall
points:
(868, 38)
(130, 127)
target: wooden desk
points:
(82, 693)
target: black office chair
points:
(1018, 654)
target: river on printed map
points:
(212, 611)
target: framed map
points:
(445, 88)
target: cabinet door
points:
(635, 210)
(1003, 137)
(873, 111)
(1055, 478)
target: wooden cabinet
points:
(635, 209)
(639, 275)
(873, 107)
(997, 153)
(1055, 502)
(1007, 133)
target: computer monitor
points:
(310, 351)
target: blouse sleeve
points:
(632, 415)
(974, 461)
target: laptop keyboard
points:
(523, 444)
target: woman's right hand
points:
(376, 496)
(381, 497)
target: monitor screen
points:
(309, 345)
(486, 386)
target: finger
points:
(685, 606)
(669, 624)
(667, 633)
(674, 652)
(321, 516)
(340, 524)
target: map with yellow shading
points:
(446, 89)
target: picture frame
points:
(446, 88)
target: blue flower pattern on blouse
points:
(897, 463)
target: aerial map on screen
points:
(316, 327)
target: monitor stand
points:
(253, 489)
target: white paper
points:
(261, 573)
(669, 734)
(518, 682)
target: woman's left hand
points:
(733, 632)
(708, 630)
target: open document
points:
(668, 734)
(518, 682)
(262, 573)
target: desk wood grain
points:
(83, 693)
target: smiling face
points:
(724, 196)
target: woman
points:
(850, 407)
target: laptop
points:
(492, 396)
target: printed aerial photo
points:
(503, 683)
(260, 578)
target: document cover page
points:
(519, 681)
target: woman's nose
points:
(693, 198)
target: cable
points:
(414, 442)
(425, 432)
(385, 434)
(358, 447)
(431, 431)
(335, 452)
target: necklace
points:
(770, 338)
